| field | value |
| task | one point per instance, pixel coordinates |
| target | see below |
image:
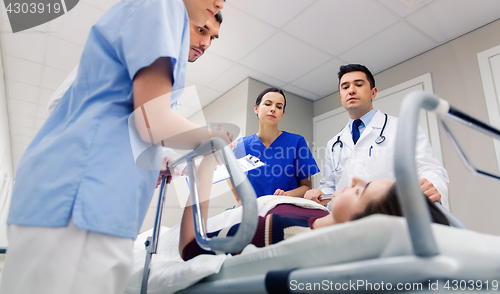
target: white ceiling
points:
(296, 45)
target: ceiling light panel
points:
(410, 3)
(53, 78)
(75, 25)
(405, 7)
(22, 107)
(236, 74)
(284, 57)
(39, 123)
(394, 45)
(447, 19)
(323, 80)
(208, 95)
(22, 120)
(267, 9)
(28, 45)
(102, 4)
(62, 54)
(42, 112)
(21, 140)
(207, 68)
(22, 91)
(301, 92)
(21, 70)
(22, 131)
(44, 96)
(335, 26)
(239, 34)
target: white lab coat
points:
(372, 161)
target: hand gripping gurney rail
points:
(378, 248)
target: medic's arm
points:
(327, 183)
(430, 168)
(152, 88)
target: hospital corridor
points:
(249, 146)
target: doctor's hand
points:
(280, 192)
(429, 190)
(314, 195)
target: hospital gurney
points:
(245, 232)
(372, 253)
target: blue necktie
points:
(355, 130)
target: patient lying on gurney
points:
(285, 220)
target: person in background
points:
(360, 149)
(288, 161)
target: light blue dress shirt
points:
(365, 119)
(80, 164)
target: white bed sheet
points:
(372, 237)
(169, 273)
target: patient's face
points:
(352, 200)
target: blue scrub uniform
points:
(80, 165)
(288, 160)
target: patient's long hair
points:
(390, 205)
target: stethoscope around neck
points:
(379, 140)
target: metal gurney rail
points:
(245, 190)
(413, 206)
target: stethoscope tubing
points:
(379, 140)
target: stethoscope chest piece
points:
(380, 139)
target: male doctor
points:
(358, 149)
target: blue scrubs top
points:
(80, 165)
(288, 160)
